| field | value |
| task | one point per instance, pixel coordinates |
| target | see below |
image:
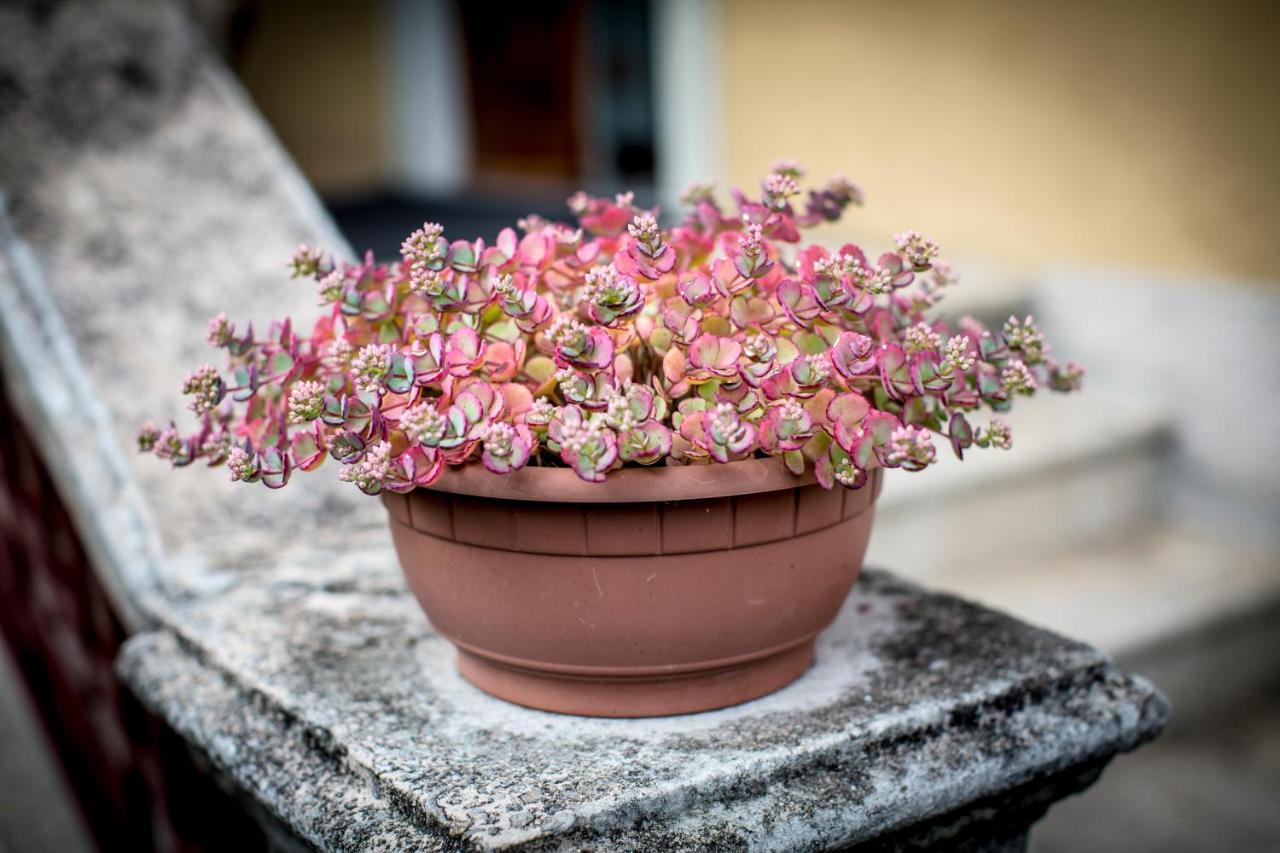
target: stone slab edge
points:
(823, 797)
(70, 424)
(72, 428)
(267, 751)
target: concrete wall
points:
(1135, 134)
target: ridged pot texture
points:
(661, 591)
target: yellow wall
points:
(316, 69)
(1119, 134)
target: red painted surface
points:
(137, 786)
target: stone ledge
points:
(334, 705)
(141, 193)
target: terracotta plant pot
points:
(661, 591)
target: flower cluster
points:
(615, 342)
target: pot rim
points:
(627, 485)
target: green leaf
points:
(540, 368)
(246, 379)
(281, 363)
(809, 343)
(915, 411)
(818, 446)
(375, 306)
(356, 414)
(347, 447)
(787, 351)
(332, 414)
(400, 377)
(275, 468)
(462, 256)
(503, 330)
(388, 333)
(351, 302)
(961, 434)
(470, 406)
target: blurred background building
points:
(1136, 135)
(1111, 167)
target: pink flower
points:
(611, 296)
(577, 345)
(786, 426)
(506, 447)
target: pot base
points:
(631, 696)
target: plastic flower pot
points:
(661, 591)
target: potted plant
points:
(629, 470)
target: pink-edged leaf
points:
(275, 467)
(855, 252)
(845, 413)
(894, 372)
(507, 242)
(960, 433)
(471, 407)
(716, 354)
(463, 256)
(798, 302)
(516, 398)
(464, 352)
(536, 248)
(500, 361)
(646, 444)
(246, 383)
(674, 365)
(400, 375)
(880, 425)
(698, 289)
(750, 311)
(824, 471)
(599, 351)
(681, 319)
(307, 449)
(356, 414)
(778, 384)
(428, 359)
(423, 465)
(863, 452)
(853, 355)
(893, 263)
(926, 376)
(347, 447)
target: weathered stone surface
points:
(140, 194)
(323, 692)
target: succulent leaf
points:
(614, 341)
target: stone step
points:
(1200, 345)
(1084, 470)
(1125, 596)
(1195, 612)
